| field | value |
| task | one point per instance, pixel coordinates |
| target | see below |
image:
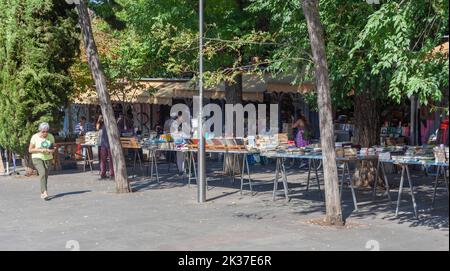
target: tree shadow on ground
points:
(382, 208)
(68, 194)
(311, 201)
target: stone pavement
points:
(166, 216)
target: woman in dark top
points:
(105, 150)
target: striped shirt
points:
(81, 130)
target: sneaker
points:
(102, 178)
(44, 196)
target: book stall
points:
(425, 157)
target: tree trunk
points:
(315, 30)
(366, 120)
(366, 133)
(233, 90)
(233, 95)
(120, 170)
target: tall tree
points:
(315, 30)
(120, 170)
(378, 55)
(169, 31)
(122, 60)
(38, 44)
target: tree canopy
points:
(390, 42)
(384, 47)
(167, 31)
(38, 43)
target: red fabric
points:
(104, 154)
(444, 127)
(444, 124)
(78, 150)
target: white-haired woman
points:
(42, 147)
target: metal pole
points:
(201, 185)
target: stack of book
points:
(91, 138)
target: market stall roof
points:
(155, 93)
(147, 91)
(253, 88)
(162, 91)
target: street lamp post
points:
(201, 182)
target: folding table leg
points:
(195, 169)
(156, 166)
(90, 157)
(400, 189)
(244, 167)
(84, 159)
(224, 169)
(151, 161)
(152, 164)
(386, 182)
(374, 191)
(411, 187)
(233, 167)
(355, 202)
(285, 183)
(242, 172)
(134, 162)
(248, 175)
(445, 180)
(140, 162)
(189, 170)
(439, 170)
(342, 180)
(309, 174)
(317, 178)
(436, 184)
(275, 181)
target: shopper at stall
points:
(105, 150)
(81, 129)
(166, 130)
(178, 135)
(158, 128)
(125, 123)
(301, 124)
(83, 126)
(42, 147)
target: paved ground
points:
(166, 216)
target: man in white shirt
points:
(177, 135)
(169, 122)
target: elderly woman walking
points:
(42, 147)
